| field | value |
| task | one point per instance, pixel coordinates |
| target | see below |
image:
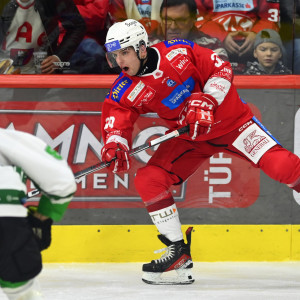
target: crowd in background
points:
(68, 36)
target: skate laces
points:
(167, 255)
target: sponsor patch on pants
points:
(254, 142)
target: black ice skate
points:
(177, 257)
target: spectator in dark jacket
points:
(27, 26)
(268, 50)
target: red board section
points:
(105, 81)
(73, 128)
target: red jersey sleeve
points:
(215, 76)
(117, 119)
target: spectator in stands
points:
(144, 11)
(236, 24)
(268, 50)
(27, 26)
(90, 56)
(290, 32)
(177, 22)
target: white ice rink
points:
(224, 280)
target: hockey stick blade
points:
(133, 151)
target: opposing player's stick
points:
(133, 151)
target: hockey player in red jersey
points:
(184, 84)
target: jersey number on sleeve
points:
(109, 122)
(217, 59)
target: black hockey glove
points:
(41, 229)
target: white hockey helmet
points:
(123, 35)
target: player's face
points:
(176, 22)
(268, 54)
(127, 60)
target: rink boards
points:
(238, 213)
(136, 243)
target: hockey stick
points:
(133, 151)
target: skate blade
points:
(184, 276)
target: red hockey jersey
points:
(218, 17)
(183, 68)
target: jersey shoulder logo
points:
(178, 42)
(119, 88)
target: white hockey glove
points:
(117, 155)
(200, 109)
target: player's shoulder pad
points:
(119, 87)
(178, 42)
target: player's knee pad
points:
(281, 165)
(20, 258)
(152, 182)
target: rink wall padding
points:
(238, 213)
(210, 243)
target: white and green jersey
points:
(23, 156)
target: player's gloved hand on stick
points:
(118, 151)
(200, 110)
(41, 228)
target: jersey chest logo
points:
(179, 94)
(180, 63)
(230, 5)
(147, 95)
(141, 94)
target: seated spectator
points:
(89, 57)
(28, 26)
(268, 50)
(145, 11)
(177, 22)
(236, 24)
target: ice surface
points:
(219, 280)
